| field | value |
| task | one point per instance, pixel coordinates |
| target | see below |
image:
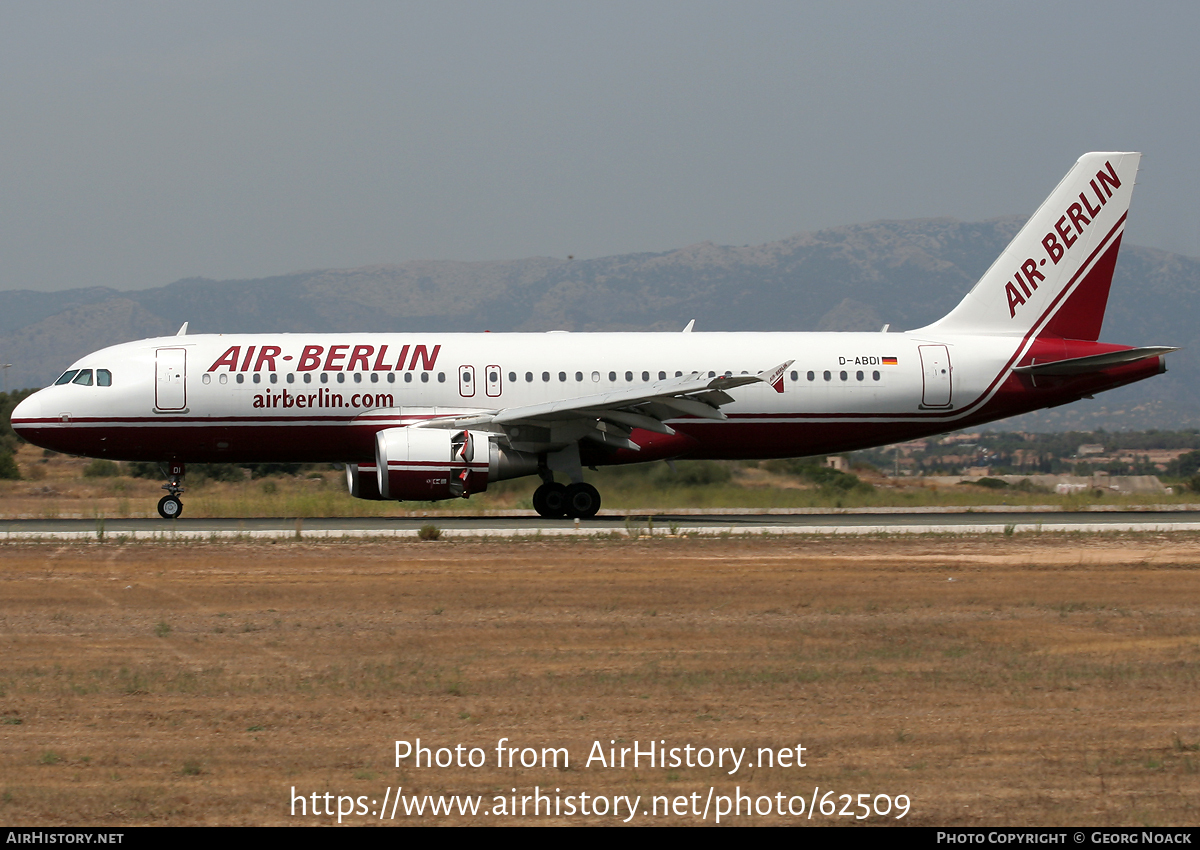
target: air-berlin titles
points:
(339, 358)
(1059, 240)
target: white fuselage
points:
(315, 397)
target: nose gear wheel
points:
(170, 507)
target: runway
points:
(709, 524)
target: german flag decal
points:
(889, 361)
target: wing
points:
(609, 418)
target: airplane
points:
(425, 417)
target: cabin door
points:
(170, 373)
(935, 363)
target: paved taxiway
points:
(666, 523)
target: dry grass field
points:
(58, 486)
(1010, 681)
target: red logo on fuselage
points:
(338, 358)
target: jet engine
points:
(363, 481)
(426, 464)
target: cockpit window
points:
(84, 378)
(103, 378)
(66, 377)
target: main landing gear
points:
(578, 501)
(170, 506)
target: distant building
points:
(1026, 457)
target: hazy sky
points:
(145, 142)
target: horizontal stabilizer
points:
(1094, 362)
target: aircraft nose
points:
(25, 412)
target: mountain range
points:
(854, 277)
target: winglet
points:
(775, 376)
(183, 330)
(689, 327)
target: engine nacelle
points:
(363, 481)
(425, 464)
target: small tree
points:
(8, 466)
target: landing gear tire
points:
(550, 501)
(582, 501)
(170, 507)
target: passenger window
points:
(678, 374)
(204, 379)
(358, 377)
(341, 377)
(662, 376)
(424, 377)
(103, 378)
(441, 377)
(629, 376)
(812, 376)
(224, 379)
(562, 376)
(529, 377)
(257, 378)
(307, 378)
(374, 377)
(408, 377)
(795, 375)
(578, 376)
(391, 377)
(844, 376)
(66, 377)
(241, 379)
(712, 374)
(546, 376)
(595, 377)
(645, 376)
(612, 376)
(274, 378)
(512, 377)
(290, 378)
(324, 377)
(874, 376)
(84, 378)
(828, 376)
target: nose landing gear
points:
(170, 506)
